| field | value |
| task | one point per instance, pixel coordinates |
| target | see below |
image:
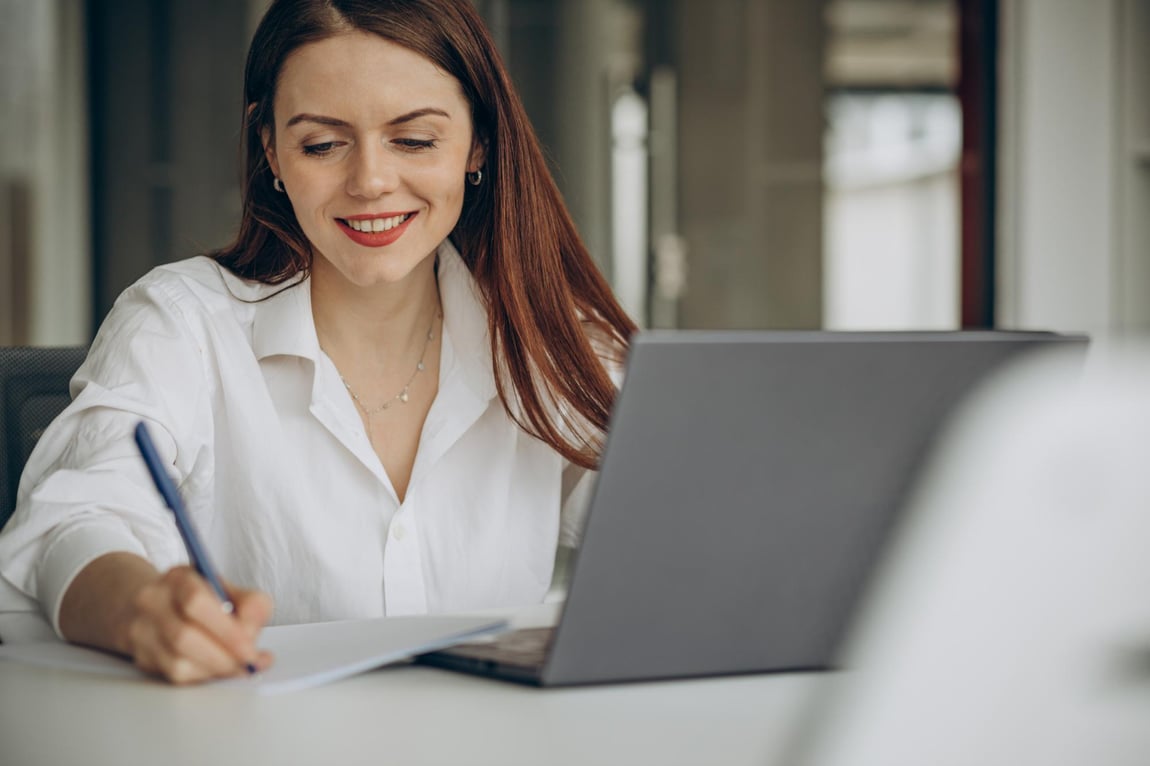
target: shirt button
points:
(397, 531)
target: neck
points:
(374, 325)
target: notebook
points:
(748, 484)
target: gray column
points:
(750, 159)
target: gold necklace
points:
(403, 394)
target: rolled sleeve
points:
(67, 552)
(85, 491)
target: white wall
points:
(891, 220)
(1061, 261)
(44, 149)
(61, 266)
(892, 255)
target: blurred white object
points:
(1012, 623)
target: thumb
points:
(253, 607)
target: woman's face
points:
(372, 142)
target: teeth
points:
(377, 224)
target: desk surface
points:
(401, 714)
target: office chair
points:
(33, 391)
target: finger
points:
(183, 671)
(264, 660)
(150, 606)
(144, 644)
(195, 601)
(156, 661)
(187, 653)
(152, 655)
(253, 608)
(156, 658)
(166, 641)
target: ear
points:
(268, 143)
(270, 151)
(478, 155)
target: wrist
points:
(100, 605)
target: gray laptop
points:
(748, 484)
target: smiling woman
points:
(363, 173)
(378, 400)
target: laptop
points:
(749, 481)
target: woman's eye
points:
(319, 150)
(415, 144)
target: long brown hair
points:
(546, 299)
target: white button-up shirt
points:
(275, 466)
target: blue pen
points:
(196, 551)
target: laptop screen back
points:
(749, 481)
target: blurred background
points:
(847, 164)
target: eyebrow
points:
(320, 119)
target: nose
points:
(372, 171)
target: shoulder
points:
(194, 292)
(191, 304)
(195, 280)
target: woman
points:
(375, 401)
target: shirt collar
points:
(283, 323)
(465, 321)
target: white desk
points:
(402, 714)
(398, 715)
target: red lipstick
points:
(374, 238)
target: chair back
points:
(33, 391)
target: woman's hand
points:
(177, 628)
(172, 624)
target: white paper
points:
(316, 653)
(305, 655)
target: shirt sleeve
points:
(85, 490)
(578, 483)
(577, 486)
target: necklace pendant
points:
(419, 367)
(403, 395)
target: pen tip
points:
(251, 668)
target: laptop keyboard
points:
(526, 648)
